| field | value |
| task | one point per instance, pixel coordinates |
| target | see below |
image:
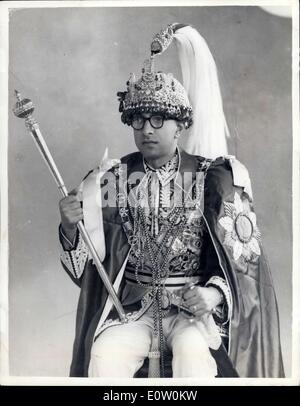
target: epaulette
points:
(94, 175)
(240, 174)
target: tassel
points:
(154, 358)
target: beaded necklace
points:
(145, 244)
(160, 273)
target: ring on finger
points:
(194, 308)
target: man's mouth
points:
(150, 142)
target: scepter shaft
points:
(24, 109)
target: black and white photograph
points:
(149, 192)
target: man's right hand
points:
(71, 213)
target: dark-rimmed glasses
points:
(156, 121)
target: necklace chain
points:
(146, 243)
(160, 272)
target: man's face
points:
(157, 143)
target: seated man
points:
(178, 237)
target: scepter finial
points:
(24, 107)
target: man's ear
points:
(180, 125)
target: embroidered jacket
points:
(179, 246)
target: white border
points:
(4, 250)
(145, 3)
(57, 381)
(296, 196)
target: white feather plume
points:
(207, 136)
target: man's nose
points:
(147, 130)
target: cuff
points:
(223, 312)
(74, 260)
(65, 242)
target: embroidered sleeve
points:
(224, 310)
(73, 254)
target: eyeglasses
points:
(156, 121)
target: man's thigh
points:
(120, 351)
(132, 338)
(191, 355)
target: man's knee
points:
(191, 355)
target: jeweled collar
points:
(167, 171)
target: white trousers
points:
(120, 351)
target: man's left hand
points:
(202, 300)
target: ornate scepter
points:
(24, 109)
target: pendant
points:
(165, 300)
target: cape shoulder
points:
(229, 171)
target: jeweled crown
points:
(155, 92)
